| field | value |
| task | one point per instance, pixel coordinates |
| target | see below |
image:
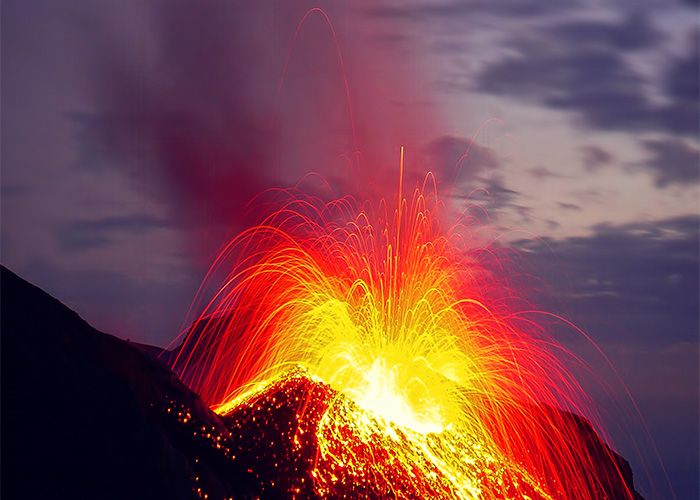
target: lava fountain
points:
(399, 313)
(410, 362)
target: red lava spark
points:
(402, 316)
(403, 367)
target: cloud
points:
(593, 81)
(150, 311)
(542, 173)
(585, 67)
(495, 192)
(83, 235)
(682, 86)
(642, 276)
(14, 190)
(474, 170)
(467, 8)
(568, 206)
(635, 32)
(672, 161)
(460, 159)
(595, 157)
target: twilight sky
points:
(135, 133)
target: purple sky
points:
(134, 133)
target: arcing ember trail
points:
(376, 347)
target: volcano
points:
(87, 415)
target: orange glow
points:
(404, 317)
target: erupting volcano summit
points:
(378, 354)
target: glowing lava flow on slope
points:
(399, 314)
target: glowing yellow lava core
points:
(386, 396)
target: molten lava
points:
(440, 365)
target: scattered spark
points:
(445, 386)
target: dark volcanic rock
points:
(82, 411)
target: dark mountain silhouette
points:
(82, 410)
(86, 415)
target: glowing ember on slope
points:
(296, 437)
(345, 451)
(405, 319)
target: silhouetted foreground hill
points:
(82, 411)
(86, 415)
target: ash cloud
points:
(201, 107)
(131, 119)
(191, 107)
